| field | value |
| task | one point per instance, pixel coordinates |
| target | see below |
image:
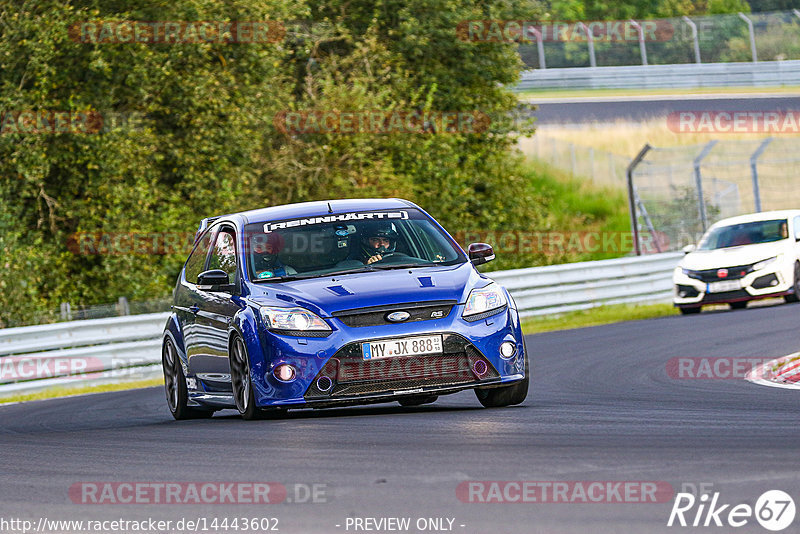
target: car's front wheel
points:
(795, 297)
(240, 380)
(175, 385)
(506, 395)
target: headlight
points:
(484, 300)
(763, 263)
(293, 319)
(687, 272)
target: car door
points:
(187, 298)
(216, 310)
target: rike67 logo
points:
(774, 510)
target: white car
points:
(741, 259)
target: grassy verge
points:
(596, 316)
(579, 93)
(72, 391)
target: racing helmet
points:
(265, 249)
(379, 229)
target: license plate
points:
(407, 346)
(725, 285)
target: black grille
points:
(376, 315)
(762, 282)
(726, 296)
(354, 376)
(711, 275)
(686, 291)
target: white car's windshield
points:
(350, 242)
(750, 233)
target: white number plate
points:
(407, 346)
(725, 285)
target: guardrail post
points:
(754, 171)
(642, 47)
(637, 246)
(122, 306)
(752, 36)
(698, 180)
(66, 311)
(696, 40)
(590, 39)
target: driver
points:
(265, 256)
(378, 241)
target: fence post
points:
(573, 163)
(591, 163)
(752, 36)
(754, 171)
(642, 47)
(539, 46)
(637, 246)
(590, 39)
(692, 25)
(66, 311)
(122, 306)
(698, 179)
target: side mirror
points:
(480, 253)
(214, 280)
(689, 248)
(797, 235)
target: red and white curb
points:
(783, 372)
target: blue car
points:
(336, 303)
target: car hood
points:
(330, 294)
(731, 257)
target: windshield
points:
(345, 243)
(751, 233)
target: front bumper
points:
(471, 358)
(773, 281)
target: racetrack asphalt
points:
(636, 109)
(602, 407)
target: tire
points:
(740, 305)
(418, 401)
(795, 297)
(690, 311)
(506, 395)
(175, 386)
(241, 381)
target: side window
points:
(224, 254)
(196, 261)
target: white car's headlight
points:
(763, 263)
(293, 319)
(484, 300)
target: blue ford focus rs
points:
(336, 303)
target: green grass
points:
(578, 93)
(596, 316)
(72, 391)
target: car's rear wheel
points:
(241, 383)
(739, 305)
(506, 395)
(418, 401)
(690, 311)
(795, 297)
(175, 385)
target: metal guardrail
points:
(98, 351)
(690, 75)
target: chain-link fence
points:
(593, 164)
(731, 178)
(70, 312)
(708, 39)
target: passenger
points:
(265, 257)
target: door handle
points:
(194, 308)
